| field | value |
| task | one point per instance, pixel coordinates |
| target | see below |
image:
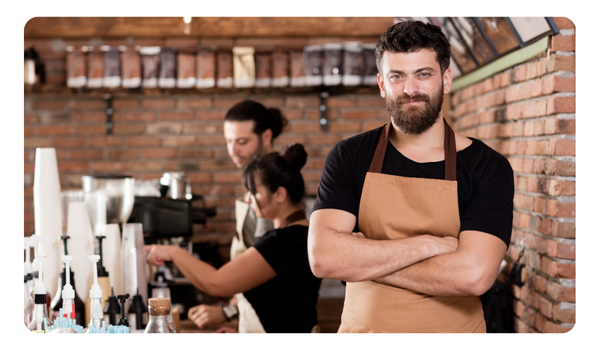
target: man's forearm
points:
(471, 270)
(349, 258)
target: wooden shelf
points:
(57, 91)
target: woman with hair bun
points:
(274, 275)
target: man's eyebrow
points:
(429, 69)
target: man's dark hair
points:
(409, 36)
(264, 118)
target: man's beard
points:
(414, 120)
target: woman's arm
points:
(241, 274)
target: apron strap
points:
(293, 217)
(449, 151)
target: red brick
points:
(72, 167)
(540, 323)
(159, 153)
(164, 128)
(122, 154)
(105, 141)
(126, 104)
(563, 229)
(561, 104)
(360, 114)
(142, 141)
(228, 177)
(87, 154)
(560, 209)
(146, 165)
(556, 328)
(201, 128)
(565, 168)
(30, 118)
(109, 166)
(176, 115)
(195, 177)
(556, 83)
(48, 104)
(195, 153)
(87, 104)
(563, 43)
(301, 101)
(220, 164)
(561, 63)
(173, 141)
(345, 127)
(327, 139)
(563, 314)
(562, 147)
(217, 140)
(121, 128)
(305, 127)
(91, 129)
(211, 115)
(135, 116)
(55, 130)
(196, 102)
(340, 102)
(559, 292)
(271, 101)
(158, 103)
(561, 188)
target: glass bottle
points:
(160, 319)
(28, 303)
(40, 320)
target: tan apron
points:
(248, 321)
(393, 207)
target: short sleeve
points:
(490, 209)
(273, 247)
(337, 187)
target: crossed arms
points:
(426, 264)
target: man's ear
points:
(267, 137)
(447, 81)
(381, 86)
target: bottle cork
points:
(159, 306)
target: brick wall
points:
(180, 133)
(527, 113)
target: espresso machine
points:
(169, 219)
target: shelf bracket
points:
(323, 109)
(109, 114)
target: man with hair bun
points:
(414, 217)
(249, 129)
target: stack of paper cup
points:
(111, 256)
(48, 213)
(80, 246)
(133, 262)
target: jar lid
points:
(157, 302)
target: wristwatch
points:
(230, 311)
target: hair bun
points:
(294, 155)
(277, 122)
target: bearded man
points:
(414, 217)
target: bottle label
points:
(96, 311)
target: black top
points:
(288, 302)
(485, 181)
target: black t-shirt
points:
(485, 181)
(288, 302)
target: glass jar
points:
(159, 321)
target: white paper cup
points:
(46, 168)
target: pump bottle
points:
(96, 314)
(41, 322)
